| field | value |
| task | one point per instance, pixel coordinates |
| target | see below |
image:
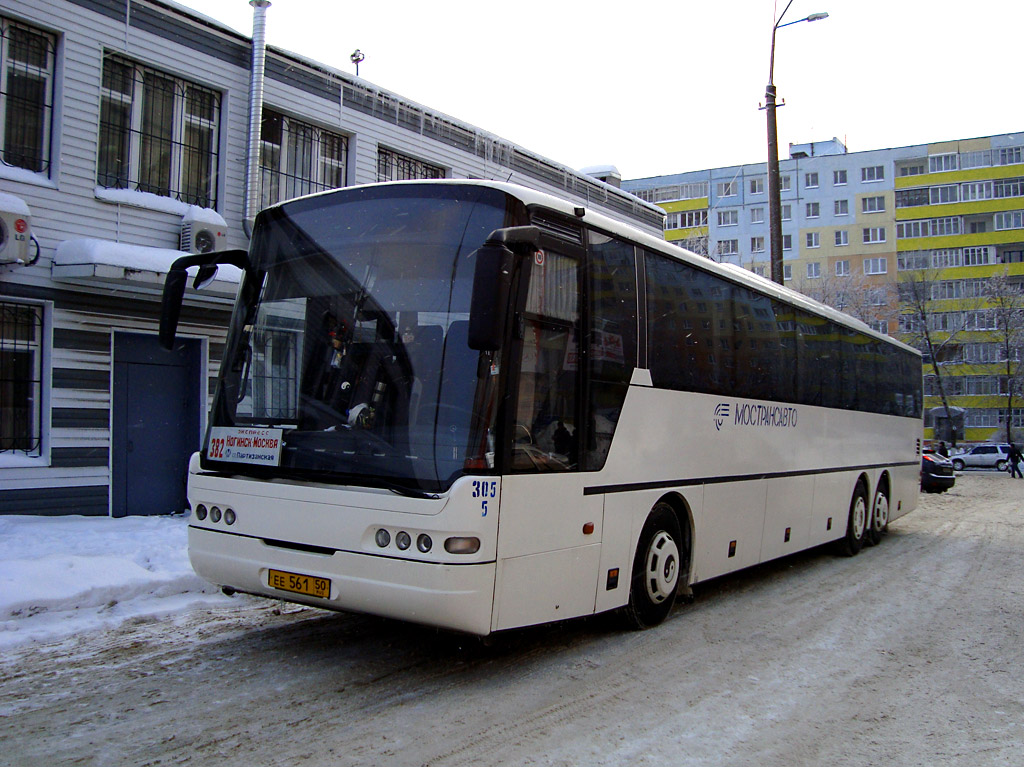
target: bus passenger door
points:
(549, 533)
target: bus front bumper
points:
(457, 597)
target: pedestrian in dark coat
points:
(1015, 459)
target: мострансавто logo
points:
(721, 413)
(772, 416)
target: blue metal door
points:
(156, 423)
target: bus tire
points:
(856, 524)
(878, 523)
(656, 570)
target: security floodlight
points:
(356, 57)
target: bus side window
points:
(612, 340)
(546, 436)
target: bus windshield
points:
(349, 339)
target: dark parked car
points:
(936, 473)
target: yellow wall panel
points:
(678, 205)
(960, 208)
(957, 176)
(672, 235)
(973, 272)
(961, 240)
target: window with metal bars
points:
(392, 166)
(297, 158)
(275, 373)
(27, 57)
(21, 378)
(158, 133)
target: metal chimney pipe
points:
(259, 48)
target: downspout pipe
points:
(259, 50)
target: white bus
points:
(474, 406)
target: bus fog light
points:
(200, 512)
(423, 543)
(462, 545)
(215, 514)
(229, 516)
(383, 538)
(402, 540)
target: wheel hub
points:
(860, 514)
(662, 567)
(880, 516)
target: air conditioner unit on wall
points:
(203, 231)
(15, 229)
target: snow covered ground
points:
(907, 655)
(64, 575)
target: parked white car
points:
(983, 457)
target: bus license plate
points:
(298, 583)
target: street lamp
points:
(774, 193)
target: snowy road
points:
(909, 654)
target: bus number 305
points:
(484, 489)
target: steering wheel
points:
(521, 428)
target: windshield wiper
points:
(408, 492)
(305, 476)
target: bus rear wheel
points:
(878, 523)
(656, 570)
(857, 523)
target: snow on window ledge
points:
(18, 460)
(10, 173)
(86, 258)
(146, 200)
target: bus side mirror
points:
(177, 277)
(492, 280)
(170, 308)
(207, 274)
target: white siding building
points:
(123, 140)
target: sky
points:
(664, 87)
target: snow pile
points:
(63, 575)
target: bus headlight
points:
(423, 543)
(383, 538)
(462, 545)
(403, 540)
(200, 512)
(229, 516)
(215, 514)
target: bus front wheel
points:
(656, 570)
(856, 524)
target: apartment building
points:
(857, 224)
(959, 210)
(124, 140)
(838, 222)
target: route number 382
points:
(485, 489)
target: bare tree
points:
(853, 294)
(695, 243)
(927, 327)
(1006, 301)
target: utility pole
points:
(774, 192)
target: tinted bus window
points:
(611, 340)
(709, 335)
